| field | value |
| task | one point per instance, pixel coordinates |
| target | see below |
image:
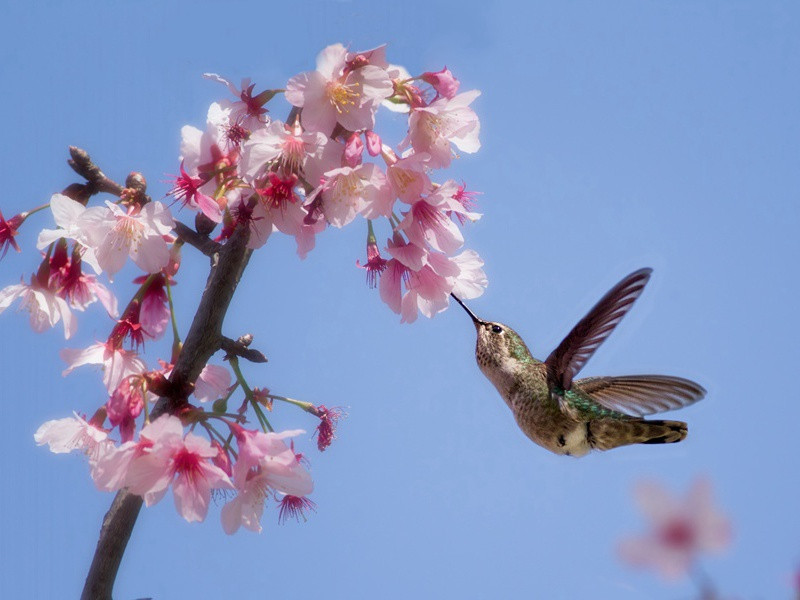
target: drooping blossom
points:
(375, 264)
(326, 430)
(115, 362)
(116, 234)
(180, 461)
(444, 82)
(8, 230)
(265, 465)
(125, 404)
(154, 314)
(338, 92)
(295, 507)
(681, 530)
(445, 121)
(45, 306)
(68, 434)
(69, 281)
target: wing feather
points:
(568, 359)
(640, 395)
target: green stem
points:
(248, 392)
(176, 336)
(306, 406)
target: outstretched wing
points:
(568, 359)
(640, 395)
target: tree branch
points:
(228, 262)
(241, 348)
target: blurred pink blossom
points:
(680, 529)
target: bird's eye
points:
(497, 329)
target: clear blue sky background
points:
(615, 136)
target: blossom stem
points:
(248, 392)
(306, 406)
(176, 336)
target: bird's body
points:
(573, 417)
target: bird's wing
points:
(568, 359)
(640, 395)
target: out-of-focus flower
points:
(681, 530)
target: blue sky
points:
(615, 136)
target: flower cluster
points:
(246, 172)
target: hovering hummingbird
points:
(573, 416)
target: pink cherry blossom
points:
(76, 287)
(265, 465)
(212, 156)
(116, 362)
(434, 127)
(187, 189)
(408, 177)
(338, 93)
(180, 461)
(212, 383)
(8, 230)
(45, 306)
(280, 147)
(125, 404)
(248, 109)
(349, 191)
(67, 214)
(681, 530)
(68, 434)
(427, 223)
(445, 84)
(471, 280)
(353, 150)
(116, 234)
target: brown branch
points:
(114, 535)
(204, 338)
(202, 242)
(240, 348)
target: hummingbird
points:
(571, 416)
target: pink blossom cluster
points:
(195, 468)
(327, 164)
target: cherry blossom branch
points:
(204, 339)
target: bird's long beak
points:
(471, 314)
